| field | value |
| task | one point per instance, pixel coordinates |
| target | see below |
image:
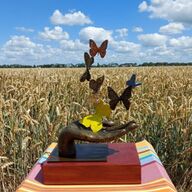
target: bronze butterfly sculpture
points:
(88, 62)
(114, 98)
(95, 85)
(132, 81)
(98, 50)
(76, 130)
(126, 95)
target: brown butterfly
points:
(100, 50)
(95, 85)
(88, 62)
(114, 98)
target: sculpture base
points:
(122, 166)
(84, 152)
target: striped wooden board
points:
(154, 176)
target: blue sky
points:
(57, 31)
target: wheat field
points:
(36, 103)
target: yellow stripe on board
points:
(109, 189)
(23, 189)
(146, 153)
(144, 143)
(155, 185)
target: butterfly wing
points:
(92, 84)
(96, 85)
(137, 84)
(93, 48)
(114, 98)
(133, 78)
(126, 103)
(126, 95)
(103, 109)
(88, 60)
(99, 82)
(92, 121)
(132, 82)
(96, 123)
(86, 76)
(102, 48)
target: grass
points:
(35, 103)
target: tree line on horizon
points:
(82, 65)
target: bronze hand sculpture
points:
(77, 131)
(109, 131)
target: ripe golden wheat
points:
(35, 103)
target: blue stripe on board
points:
(148, 159)
(42, 160)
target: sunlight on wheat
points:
(36, 103)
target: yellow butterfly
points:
(95, 121)
(102, 108)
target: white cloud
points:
(137, 29)
(181, 42)
(24, 29)
(20, 49)
(95, 33)
(19, 42)
(157, 54)
(143, 6)
(55, 34)
(125, 46)
(161, 51)
(123, 32)
(172, 28)
(171, 10)
(73, 18)
(153, 39)
(157, 48)
(75, 45)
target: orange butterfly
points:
(94, 49)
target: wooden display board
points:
(154, 177)
(119, 165)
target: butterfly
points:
(88, 62)
(95, 121)
(132, 81)
(103, 108)
(114, 98)
(95, 85)
(94, 49)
